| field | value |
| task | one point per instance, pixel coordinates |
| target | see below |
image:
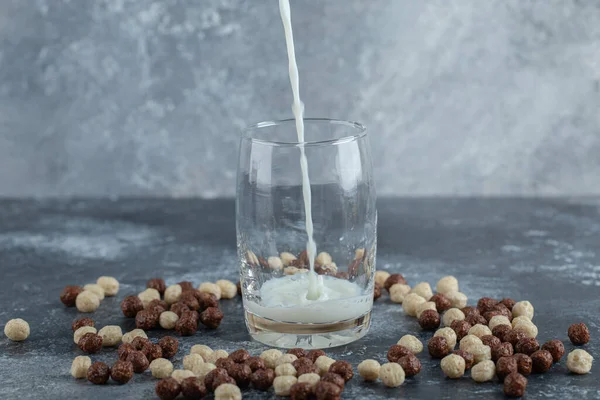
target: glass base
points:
(306, 336)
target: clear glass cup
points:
(271, 235)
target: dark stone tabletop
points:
(544, 251)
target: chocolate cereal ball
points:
(514, 336)
(239, 356)
(541, 361)
(392, 280)
(131, 305)
(524, 363)
(152, 351)
(262, 379)
(301, 391)
(241, 374)
(486, 304)
(442, 303)
(255, 363)
(344, 369)
(334, 378)
(438, 347)
(211, 317)
(139, 342)
(429, 320)
(470, 310)
(505, 366)
(527, 346)
(124, 350)
(490, 340)
(158, 284)
(186, 286)
(556, 349)
(179, 308)
(193, 388)
(189, 299)
(169, 346)
(210, 378)
(187, 324)
(138, 360)
(410, 364)
(158, 306)
(224, 363)
(82, 322)
(461, 328)
(302, 363)
(314, 354)
(121, 371)
(327, 391)
(579, 334)
(90, 343)
(468, 357)
(515, 385)
(69, 294)
(146, 320)
(298, 352)
(501, 331)
(167, 389)
(502, 350)
(220, 380)
(508, 303)
(98, 373)
(396, 352)
(376, 291)
(206, 300)
(475, 319)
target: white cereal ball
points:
(324, 258)
(87, 301)
(479, 330)
(180, 374)
(209, 287)
(202, 370)
(228, 391)
(428, 305)
(449, 335)
(529, 328)
(78, 334)
(469, 341)
(498, 320)
(283, 384)
(17, 330)
(168, 319)
(96, 289)
(275, 263)
(311, 378)
(447, 284)
(286, 369)
(215, 355)
(457, 299)
(148, 295)
(579, 361)
(453, 366)
(359, 254)
(173, 294)
(480, 353)
(522, 318)
(201, 349)
(412, 343)
(391, 374)
(161, 368)
(453, 314)
(80, 366)
(251, 257)
(129, 336)
(381, 276)
(399, 291)
(285, 359)
(369, 370)
(111, 335)
(423, 289)
(323, 363)
(228, 288)
(270, 357)
(192, 361)
(410, 303)
(287, 258)
(484, 371)
(109, 284)
(523, 308)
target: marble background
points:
(147, 97)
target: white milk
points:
(284, 299)
(315, 289)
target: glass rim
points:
(361, 131)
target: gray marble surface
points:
(147, 97)
(545, 251)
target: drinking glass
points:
(272, 238)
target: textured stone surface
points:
(542, 251)
(148, 96)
